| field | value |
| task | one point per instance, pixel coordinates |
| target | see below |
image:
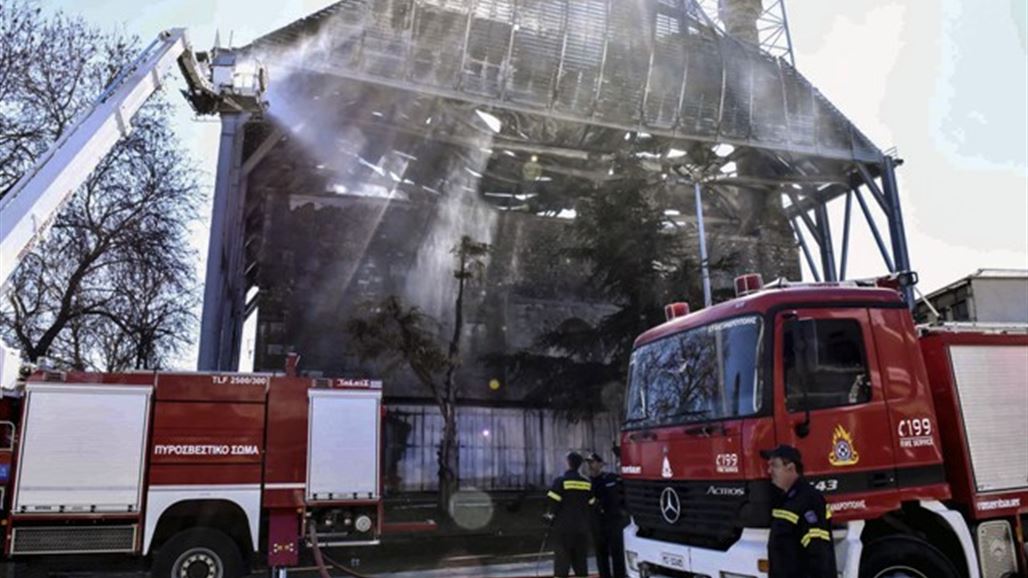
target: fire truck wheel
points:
(904, 557)
(198, 553)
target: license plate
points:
(672, 561)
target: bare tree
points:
(401, 335)
(111, 287)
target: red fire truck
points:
(917, 436)
(203, 474)
(207, 474)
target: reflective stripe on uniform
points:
(577, 485)
(828, 512)
(554, 496)
(815, 533)
(785, 515)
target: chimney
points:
(740, 18)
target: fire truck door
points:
(829, 400)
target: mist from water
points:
(342, 45)
(307, 112)
(431, 284)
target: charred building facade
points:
(397, 126)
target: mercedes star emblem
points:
(670, 505)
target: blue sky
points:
(946, 82)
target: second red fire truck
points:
(204, 474)
(917, 436)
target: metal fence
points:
(500, 448)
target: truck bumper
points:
(652, 559)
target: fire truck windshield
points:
(705, 373)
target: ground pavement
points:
(497, 535)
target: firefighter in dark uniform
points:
(608, 519)
(800, 545)
(570, 503)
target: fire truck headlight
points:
(996, 548)
(734, 575)
(633, 560)
(363, 523)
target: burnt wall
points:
(325, 259)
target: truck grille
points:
(72, 540)
(712, 513)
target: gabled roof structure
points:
(532, 104)
(659, 67)
(579, 84)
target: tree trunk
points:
(448, 457)
(67, 312)
(448, 447)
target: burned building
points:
(398, 126)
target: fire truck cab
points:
(918, 438)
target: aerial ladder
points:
(214, 84)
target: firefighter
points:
(570, 501)
(800, 545)
(608, 519)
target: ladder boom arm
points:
(30, 207)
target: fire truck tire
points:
(203, 552)
(904, 557)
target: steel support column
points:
(802, 214)
(788, 35)
(220, 281)
(873, 187)
(846, 220)
(806, 250)
(897, 232)
(874, 230)
(234, 312)
(885, 192)
(824, 232)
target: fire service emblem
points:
(843, 453)
(670, 505)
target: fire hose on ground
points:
(320, 558)
(542, 549)
(323, 562)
